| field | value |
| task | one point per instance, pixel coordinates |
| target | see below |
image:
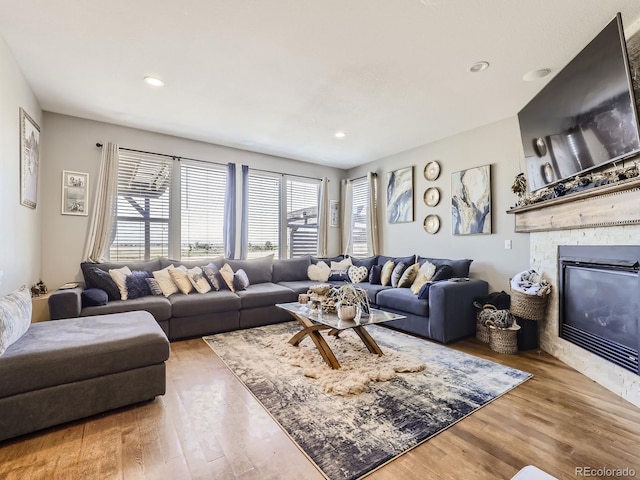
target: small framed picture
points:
(333, 213)
(75, 193)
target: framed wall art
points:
(75, 192)
(400, 195)
(471, 201)
(29, 160)
(334, 213)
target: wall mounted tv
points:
(585, 117)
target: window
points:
(202, 189)
(167, 208)
(283, 215)
(359, 222)
(141, 227)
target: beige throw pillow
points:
(181, 279)
(409, 275)
(119, 276)
(385, 274)
(227, 275)
(165, 282)
(198, 280)
(425, 274)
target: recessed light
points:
(534, 75)
(340, 134)
(479, 67)
(153, 81)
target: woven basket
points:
(482, 332)
(504, 340)
(531, 307)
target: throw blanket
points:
(531, 283)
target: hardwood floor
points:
(208, 426)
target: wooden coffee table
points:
(314, 321)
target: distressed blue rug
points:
(349, 436)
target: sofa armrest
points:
(65, 303)
(451, 312)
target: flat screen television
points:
(585, 117)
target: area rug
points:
(348, 436)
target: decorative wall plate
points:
(432, 170)
(432, 196)
(432, 224)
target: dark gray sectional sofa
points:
(447, 315)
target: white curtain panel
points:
(102, 214)
(346, 194)
(372, 214)
(323, 219)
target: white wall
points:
(20, 238)
(70, 144)
(497, 144)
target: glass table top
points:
(332, 320)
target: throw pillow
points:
(93, 297)
(396, 274)
(357, 274)
(423, 294)
(15, 317)
(227, 275)
(339, 270)
(385, 273)
(181, 279)
(374, 275)
(409, 275)
(154, 287)
(213, 276)
(444, 272)
(137, 285)
(101, 279)
(119, 276)
(167, 285)
(198, 280)
(319, 272)
(240, 280)
(425, 274)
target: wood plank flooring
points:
(208, 426)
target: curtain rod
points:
(175, 157)
(363, 176)
(287, 174)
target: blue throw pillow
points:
(423, 294)
(398, 270)
(443, 272)
(374, 275)
(137, 285)
(93, 297)
(240, 280)
(339, 275)
(102, 280)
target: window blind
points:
(264, 215)
(302, 217)
(359, 223)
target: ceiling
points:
(282, 76)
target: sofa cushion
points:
(298, 286)
(340, 271)
(290, 269)
(119, 276)
(425, 274)
(443, 272)
(387, 272)
(96, 277)
(403, 300)
(364, 262)
(15, 317)
(210, 302)
(94, 297)
(406, 260)
(460, 267)
(165, 281)
(226, 272)
(327, 260)
(198, 280)
(212, 272)
(358, 274)
(240, 280)
(154, 286)
(258, 270)
(217, 261)
(396, 274)
(136, 284)
(319, 272)
(374, 275)
(372, 290)
(157, 306)
(65, 351)
(180, 277)
(408, 276)
(265, 295)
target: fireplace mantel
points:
(608, 205)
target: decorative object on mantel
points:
(432, 196)
(471, 201)
(432, 224)
(576, 184)
(432, 171)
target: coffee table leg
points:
(313, 331)
(368, 340)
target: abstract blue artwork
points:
(400, 195)
(471, 201)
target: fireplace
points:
(599, 288)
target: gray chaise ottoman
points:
(64, 370)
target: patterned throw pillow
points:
(319, 272)
(167, 285)
(15, 317)
(339, 270)
(409, 275)
(198, 280)
(398, 270)
(137, 285)
(101, 279)
(357, 274)
(227, 275)
(154, 286)
(385, 274)
(181, 279)
(119, 276)
(213, 276)
(425, 274)
(374, 275)
(240, 280)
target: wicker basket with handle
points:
(503, 340)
